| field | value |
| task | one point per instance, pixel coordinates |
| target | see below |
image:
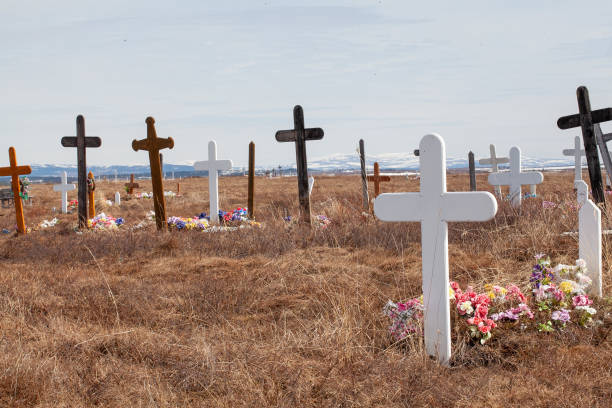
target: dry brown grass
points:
(278, 316)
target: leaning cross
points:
(91, 186)
(577, 153)
(589, 236)
(586, 119)
(299, 135)
(213, 166)
(131, 185)
(602, 140)
(515, 178)
(153, 145)
(434, 207)
(64, 188)
(493, 161)
(15, 171)
(377, 179)
(81, 143)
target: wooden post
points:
(15, 171)
(586, 119)
(131, 185)
(364, 178)
(251, 189)
(178, 189)
(91, 186)
(153, 145)
(161, 164)
(377, 179)
(81, 143)
(472, 171)
(300, 135)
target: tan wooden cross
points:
(131, 185)
(91, 186)
(153, 145)
(15, 171)
(377, 179)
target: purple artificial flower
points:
(562, 315)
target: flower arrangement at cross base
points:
(558, 298)
(229, 221)
(103, 222)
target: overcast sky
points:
(476, 72)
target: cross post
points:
(434, 207)
(153, 145)
(91, 186)
(15, 171)
(300, 135)
(472, 169)
(251, 186)
(515, 178)
(81, 143)
(64, 188)
(213, 166)
(493, 161)
(586, 118)
(364, 178)
(577, 153)
(377, 179)
(131, 185)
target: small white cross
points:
(64, 188)
(434, 207)
(577, 153)
(515, 178)
(493, 161)
(213, 166)
(117, 198)
(589, 236)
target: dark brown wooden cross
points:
(131, 185)
(299, 135)
(586, 119)
(251, 184)
(153, 145)
(14, 172)
(377, 179)
(81, 143)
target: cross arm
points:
(468, 206)
(571, 152)
(18, 170)
(158, 144)
(219, 165)
(90, 141)
(498, 160)
(379, 178)
(290, 135)
(572, 121)
(399, 207)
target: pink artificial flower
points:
(581, 300)
(514, 291)
(481, 311)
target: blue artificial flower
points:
(119, 221)
(180, 224)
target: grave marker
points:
(515, 178)
(161, 164)
(602, 140)
(81, 143)
(117, 198)
(434, 207)
(377, 179)
(472, 167)
(251, 188)
(589, 236)
(300, 135)
(64, 188)
(586, 118)
(532, 190)
(91, 186)
(577, 153)
(15, 171)
(153, 145)
(493, 161)
(364, 178)
(213, 166)
(131, 185)
(310, 185)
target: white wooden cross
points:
(213, 166)
(117, 198)
(515, 178)
(64, 188)
(589, 236)
(577, 153)
(493, 161)
(433, 207)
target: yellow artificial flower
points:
(566, 287)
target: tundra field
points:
(280, 315)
